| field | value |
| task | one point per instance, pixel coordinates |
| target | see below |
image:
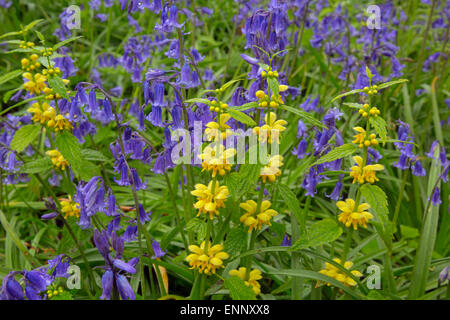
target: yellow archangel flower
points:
(206, 258)
(35, 84)
(252, 280)
(361, 140)
(272, 170)
(333, 272)
(214, 129)
(366, 173)
(271, 130)
(70, 208)
(351, 217)
(41, 112)
(59, 123)
(216, 159)
(254, 220)
(57, 159)
(210, 202)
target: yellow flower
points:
(337, 274)
(207, 202)
(253, 220)
(272, 129)
(216, 158)
(35, 84)
(271, 171)
(59, 123)
(252, 280)
(350, 217)
(360, 137)
(206, 258)
(57, 159)
(366, 173)
(70, 208)
(213, 129)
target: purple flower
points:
(157, 250)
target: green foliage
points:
(24, 136)
(321, 232)
(238, 289)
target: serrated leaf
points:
(379, 124)
(377, 200)
(321, 232)
(10, 75)
(199, 100)
(241, 117)
(346, 94)
(235, 241)
(58, 85)
(337, 153)
(353, 105)
(245, 106)
(24, 136)
(305, 116)
(63, 43)
(247, 178)
(391, 83)
(37, 166)
(238, 289)
(93, 155)
(274, 86)
(70, 148)
(32, 24)
(66, 295)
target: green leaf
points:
(321, 232)
(274, 86)
(337, 153)
(37, 166)
(63, 43)
(305, 116)
(10, 75)
(292, 203)
(346, 94)
(238, 289)
(228, 84)
(65, 295)
(235, 242)
(58, 85)
(24, 136)
(241, 117)
(87, 170)
(369, 73)
(40, 36)
(422, 262)
(93, 155)
(379, 124)
(199, 100)
(377, 200)
(32, 24)
(248, 176)
(353, 105)
(391, 83)
(70, 148)
(197, 225)
(245, 106)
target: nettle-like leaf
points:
(241, 117)
(24, 136)
(238, 289)
(353, 105)
(305, 116)
(321, 232)
(337, 153)
(37, 166)
(197, 225)
(93, 155)
(58, 85)
(274, 86)
(379, 124)
(245, 106)
(377, 200)
(391, 83)
(70, 148)
(235, 242)
(346, 94)
(199, 100)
